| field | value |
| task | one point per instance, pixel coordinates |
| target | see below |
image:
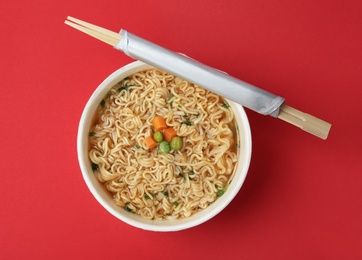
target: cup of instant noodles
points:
(160, 153)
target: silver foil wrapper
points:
(202, 75)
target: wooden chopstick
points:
(304, 121)
(107, 36)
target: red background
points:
(302, 196)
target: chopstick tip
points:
(67, 19)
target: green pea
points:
(176, 143)
(165, 147)
(158, 136)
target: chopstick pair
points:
(107, 36)
(234, 89)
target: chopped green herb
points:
(103, 103)
(123, 88)
(122, 85)
(95, 167)
(171, 103)
(147, 197)
(197, 114)
(185, 116)
(191, 172)
(137, 146)
(175, 203)
(92, 134)
(220, 193)
(187, 123)
(165, 193)
(122, 81)
(109, 96)
(128, 209)
(180, 175)
(225, 105)
(171, 96)
(179, 106)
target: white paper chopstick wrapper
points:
(202, 75)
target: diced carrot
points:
(159, 123)
(169, 133)
(150, 142)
